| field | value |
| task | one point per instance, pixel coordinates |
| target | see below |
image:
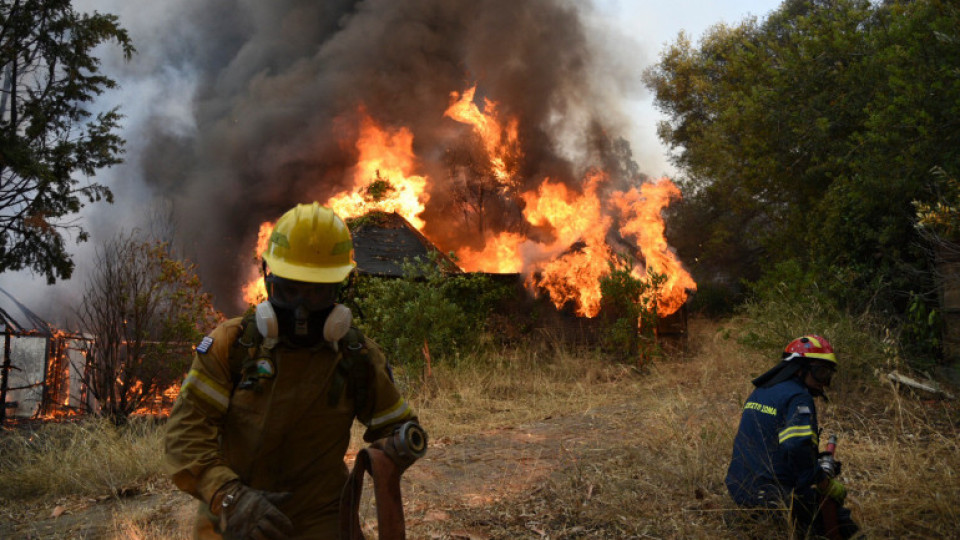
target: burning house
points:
(42, 367)
(384, 241)
(559, 238)
(495, 129)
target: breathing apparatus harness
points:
(259, 337)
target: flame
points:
(383, 179)
(501, 255)
(642, 212)
(570, 251)
(160, 403)
(255, 291)
(499, 141)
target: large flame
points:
(570, 251)
(383, 179)
(641, 211)
(499, 141)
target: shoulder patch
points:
(265, 369)
(803, 409)
(204, 345)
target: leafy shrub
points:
(715, 299)
(630, 306)
(445, 311)
(781, 311)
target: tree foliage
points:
(144, 309)
(47, 134)
(446, 311)
(807, 137)
(630, 311)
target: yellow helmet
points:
(310, 243)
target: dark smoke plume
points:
(281, 84)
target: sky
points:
(151, 87)
(654, 25)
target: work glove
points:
(250, 514)
(833, 470)
(834, 489)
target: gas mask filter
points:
(267, 324)
(335, 326)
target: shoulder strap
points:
(353, 371)
(243, 353)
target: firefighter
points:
(262, 424)
(775, 452)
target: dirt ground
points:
(440, 490)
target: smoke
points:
(239, 109)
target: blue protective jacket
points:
(775, 450)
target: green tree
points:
(47, 134)
(806, 137)
(144, 309)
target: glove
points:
(830, 467)
(248, 513)
(834, 489)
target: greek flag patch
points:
(204, 345)
(803, 409)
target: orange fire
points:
(571, 250)
(255, 291)
(500, 142)
(383, 179)
(641, 211)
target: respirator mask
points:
(304, 313)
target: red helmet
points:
(810, 346)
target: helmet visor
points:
(822, 372)
(290, 294)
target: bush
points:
(779, 312)
(630, 307)
(445, 311)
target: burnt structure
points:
(383, 241)
(41, 369)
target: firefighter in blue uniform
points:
(775, 453)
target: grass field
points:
(620, 452)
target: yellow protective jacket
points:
(285, 433)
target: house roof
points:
(16, 318)
(382, 241)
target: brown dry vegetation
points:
(542, 442)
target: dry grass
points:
(649, 463)
(91, 457)
(659, 472)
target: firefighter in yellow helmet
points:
(262, 423)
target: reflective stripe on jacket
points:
(775, 450)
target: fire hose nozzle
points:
(827, 462)
(410, 441)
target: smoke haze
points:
(238, 109)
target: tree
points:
(47, 135)
(144, 309)
(475, 188)
(806, 137)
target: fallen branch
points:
(928, 386)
